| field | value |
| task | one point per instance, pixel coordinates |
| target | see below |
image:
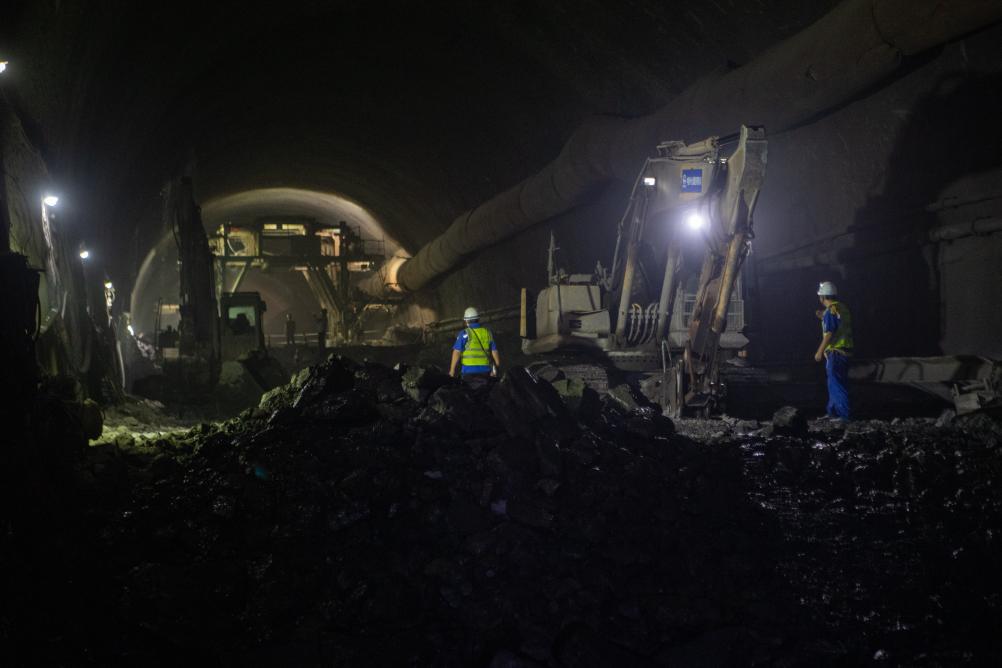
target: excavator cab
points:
(241, 328)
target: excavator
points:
(216, 327)
(669, 307)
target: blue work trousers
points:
(837, 366)
(476, 381)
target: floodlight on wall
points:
(650, 181)
(50, 200)
(84, 253)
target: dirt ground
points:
(369, 516)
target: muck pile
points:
(364, 515)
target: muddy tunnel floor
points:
(363, 515)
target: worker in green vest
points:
(475, 352)
(835, 349)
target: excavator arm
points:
(729, 236)
(198, 364)
(708, 188)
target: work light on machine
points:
(695, 221)
(50, 200)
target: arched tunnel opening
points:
(284, 288)
(514, 334)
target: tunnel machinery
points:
(327, 257)
(691, 206)
(219, 323)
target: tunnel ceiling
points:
(415, 111)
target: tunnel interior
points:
(284, 289)
(339, 333)
(451, 76)
(285, 100)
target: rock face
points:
(624, 397)
(91, 420)
(648, 423)
(789, 421)
(524, 405)
(345, 521)
(420, 381)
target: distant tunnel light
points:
(50, 200)
(84, 253)
(650, 181)
(3, 66)
(695, 221)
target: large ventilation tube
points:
(849, 50)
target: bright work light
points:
(695, 221)
(84, 253)
(50, 200)
(649, 181)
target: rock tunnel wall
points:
(861, 196)
(66, 333)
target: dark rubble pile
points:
(362, 515)
(892, 535)
(369, 516)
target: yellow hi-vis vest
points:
(478, 346)
(841, 337)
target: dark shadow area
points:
(370, 516)
(789, 340)
(892, 269)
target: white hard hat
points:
(827, 289)
(471, 314)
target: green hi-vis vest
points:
(478, 347)
(842, 337)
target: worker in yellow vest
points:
(835, 349)
(475, 352)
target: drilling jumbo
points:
(651, 313)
